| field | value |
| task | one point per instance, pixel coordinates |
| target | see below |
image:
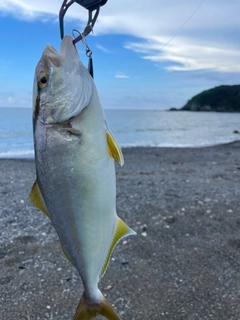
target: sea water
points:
(131, 128)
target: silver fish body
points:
(74, 156)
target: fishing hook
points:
(88, 50)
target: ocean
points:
(132, 128)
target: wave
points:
(17, 154)
(30, 152)
(15, 134)
(178, 145)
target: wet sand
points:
(184, 263)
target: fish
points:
(75, 154)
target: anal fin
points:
(122, 230)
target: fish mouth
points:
(52, 57)
(67, 53)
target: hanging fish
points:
(76, 183)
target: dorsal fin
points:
(122, 230)
(114, 150)
(36, 199)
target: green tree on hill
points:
(223, 98)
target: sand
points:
(184, 262)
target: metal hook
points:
(84, 41)
(88, 50)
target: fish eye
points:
(42, 80)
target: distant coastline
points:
(219, 99)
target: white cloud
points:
(10, 100)
(102, 48)
(120, 75)
(28, 8)
(185, 55)
(15, 99)
(208, 41)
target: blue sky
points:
(132, 68)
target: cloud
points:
(120, 75)
(102, 48)
(203, 34)
(15, 99)
(10, 100)
(185, 55)
(21, 10)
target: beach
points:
(183, 264)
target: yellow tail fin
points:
(86, 311)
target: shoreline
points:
(146, 147)
(182, 264)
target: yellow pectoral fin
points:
(114, 150)
(122, 230)
(36, 199)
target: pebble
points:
(159, 242)
(108, 287)
(170, 219)
(144, 228)
(144, 234)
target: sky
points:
(153, 54)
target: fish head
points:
(62, 84)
